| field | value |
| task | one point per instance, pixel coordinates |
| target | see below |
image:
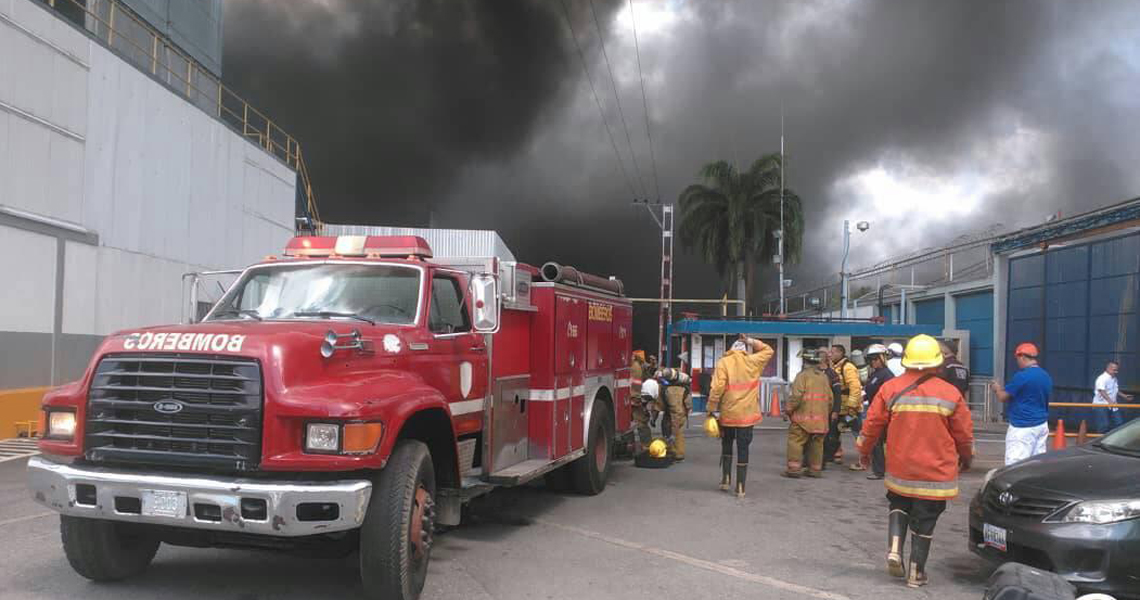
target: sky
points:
(929, 119)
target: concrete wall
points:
(111, 187)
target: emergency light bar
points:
(395, 246)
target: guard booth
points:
(695, 344)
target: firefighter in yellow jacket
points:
(809, 410)
(640, 414)
(734, 400)
(676, 401)
(851, 407)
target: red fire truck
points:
(350, 395)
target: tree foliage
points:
(730, 218)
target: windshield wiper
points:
(245, 312)
(332, 313)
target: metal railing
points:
(138, 42)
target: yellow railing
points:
(122, 30)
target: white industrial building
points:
(113, 183)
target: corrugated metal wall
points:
(930, 312)
(975, 313)
(454, 243)
(1079, 304)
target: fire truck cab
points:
(348, 396)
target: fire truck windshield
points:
(375, 293)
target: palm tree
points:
(731, 219)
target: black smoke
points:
(393, 99)
(481, 110)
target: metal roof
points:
(1103, 217)
(445, 243)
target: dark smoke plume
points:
(978, 112)
(392, 99)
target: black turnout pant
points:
(923, 513)
(742, 436)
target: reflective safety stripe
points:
(925, 404)
(738, 387)
(929, 489)
(623, 383)
(579, 390)
(809, 418)
(466, 407)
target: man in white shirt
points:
(894, 363)
(1107, 392)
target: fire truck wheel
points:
(592, 470)
(396, 538)
(103, 550)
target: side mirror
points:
(485, 298)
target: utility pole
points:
(666, 313)
(843, 276)
(780, 232)
(843, 270)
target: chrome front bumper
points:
(118, 496)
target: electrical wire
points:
(594, 91)
(645, 104)
(617, 98)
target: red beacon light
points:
(373, 246)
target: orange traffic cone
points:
(1083, 433)
(1059, 441)
(774, 410)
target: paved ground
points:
(17, 448)
(656, 534)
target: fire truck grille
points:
(175, 410)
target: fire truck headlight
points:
(61, 424)
(322, 437)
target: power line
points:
(617, 98)
(644, 103)
(594, 91)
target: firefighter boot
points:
(896, 542)
(919, 552)
(725, 472)
(741, 476)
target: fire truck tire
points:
(591, 472)
(395, 540)
(102, 550)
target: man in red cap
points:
(1027, 395)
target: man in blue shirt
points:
(1027, 395)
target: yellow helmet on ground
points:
(658, 448)
(712, 428)
(922, 352)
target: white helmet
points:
(896, 349)
(650, 388)
(874, 349)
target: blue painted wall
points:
(930, 312)
(975, 313)
(1079, 304)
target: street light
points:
(861, 226)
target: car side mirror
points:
(485, 300)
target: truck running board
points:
(528, 470)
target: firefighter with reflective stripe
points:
(851, 406)
(675, 403)
(734, 399)
(809, 410)
(640, 413)
(929, 441)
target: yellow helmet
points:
(658, 448)
(712, 428)
(922, 352)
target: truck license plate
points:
(994, 537)
(163, 503)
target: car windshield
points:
(1123, 439)
(373, 293)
